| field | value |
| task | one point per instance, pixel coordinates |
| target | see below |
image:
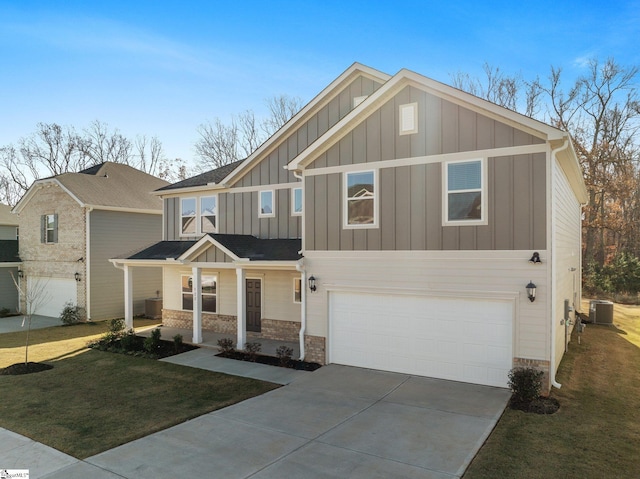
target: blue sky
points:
(161, 68)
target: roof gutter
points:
(552, 365)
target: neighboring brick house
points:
(71, 224)
(389, 224)
(9, 259)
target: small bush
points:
(4, 312)
(525, 384)
(178, 344)
(226, 345)
(152, 343)
(116, 326)
(252, 350)
(284, 354)
(70, 314)
(129, 341)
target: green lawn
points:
(92, 401)
(596, 432)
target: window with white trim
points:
(297, 290)
(48, 229)
(296, 202)
(198, 215)
(360, 199)
(208, 293)
(266, 207)
(464, 188)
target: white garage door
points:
(456, 339)
(55, 293)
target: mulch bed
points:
(541, 405)
(24, 368)
(165, 349)
(271, 360)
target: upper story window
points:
(360, 199)
(465, 187)
(208, 293)
(49, 228)
(296, 202)
(267, 204)
(198, 215)
(408, 119)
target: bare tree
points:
(149, 154)
(281, 109)
(217, 145)
(99, 144)
(34, 295)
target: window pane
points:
(360, 185)
(188, 211)
(297, 200)
(360, 211)
(187, 283)
(50, 236)
(187, 302)
(209, 284)
(188, 207)
(209, 303)
(208, 205)
(51, 222)
(208, 224)
(464, 176)
(465, 206)
(297, 293)
(266, 202)
(189, 225)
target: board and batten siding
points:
(8, 291)
(410, 200)
(567, 229)
(114, 234)
(486, 274)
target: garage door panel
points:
(457, 339)
(56, 292)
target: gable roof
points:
(6, 217)
(114, 186)
(9, 251)
(206, 178)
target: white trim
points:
(10, 265)
(345, 200)
(195, 216)
(293, 201)
(200, 215)
(87, 263)
(359, 99)
(124, 209)
(273, 204)
(431, 159)
(408, 119)
(203, 274)
(483, 194)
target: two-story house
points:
(394, 223)
(9, 259)
(72, 224)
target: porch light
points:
(531, 291)
(77, 276)
(312, 283)
(20, 273)
(535, 259)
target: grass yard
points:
(596, 432)
(92, 401)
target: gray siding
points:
(213, 255)
(7, 232)
(8, 291)
(113, 234)
(411, 210)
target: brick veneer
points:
(280, 330)
(540, 365)
(314, 349)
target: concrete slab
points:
(19, 452)
(351, 381)
(323, 461)
(14, 323)
(451, 396)
(287, 410)
(436, 440)
(80, 470)
(208, 446)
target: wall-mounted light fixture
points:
(312, 283)
(77, 276)
(20, 273)
(535, 259)
(531, 291)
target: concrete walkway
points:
(337, 422)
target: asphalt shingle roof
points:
(163, 250)
(213, 176)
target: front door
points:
(254, 311)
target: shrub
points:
(178, 344)
(152, 343)
(252, 350)
(129, 341)
(226, 345)
(284, 354)
(4, 312)
(70, 314)
(525, 384)
(116, 326)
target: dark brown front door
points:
(254, 311)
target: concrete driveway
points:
(335, 422)
(14, 323)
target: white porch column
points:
(242, 310)
(196, 287)
(128, 297)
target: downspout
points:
(87, 262)
(303, 306)
(552, 365)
